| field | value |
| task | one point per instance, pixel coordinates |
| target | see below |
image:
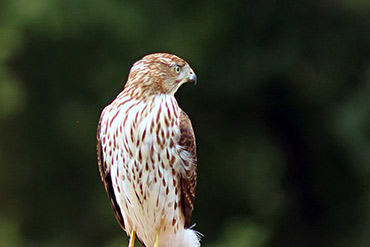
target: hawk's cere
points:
(147, 156)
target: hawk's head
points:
(159, 73)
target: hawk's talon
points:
(156, 240)
(132, 239)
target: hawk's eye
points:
(177, 69)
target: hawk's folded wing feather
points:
(189, 177)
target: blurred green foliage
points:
(281, 114)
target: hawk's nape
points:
(147, 154)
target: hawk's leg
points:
(156, 240)
(132, 239)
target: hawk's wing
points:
(189, 177)
(105, 175)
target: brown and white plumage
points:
(147, 154)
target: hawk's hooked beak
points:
(192, 77)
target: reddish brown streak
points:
(158, 115)
(132, 134)
(123, 102)
(138, 198)
(168, 114)
(174, 111)
(143, 136)
(143, 110)
(151, 156)
(152, 126)
(146, 166)
(167, 134)
(173, 159)
(140, 157)
(162, 134)
(112, 119)
(166, 121)
(167, 154)
(172, 144)
(125, 119)
(136, 116)
(127, 111)
(106, 129)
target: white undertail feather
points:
(185, 238)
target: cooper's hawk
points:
(147, 156)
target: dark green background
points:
(281, 114)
